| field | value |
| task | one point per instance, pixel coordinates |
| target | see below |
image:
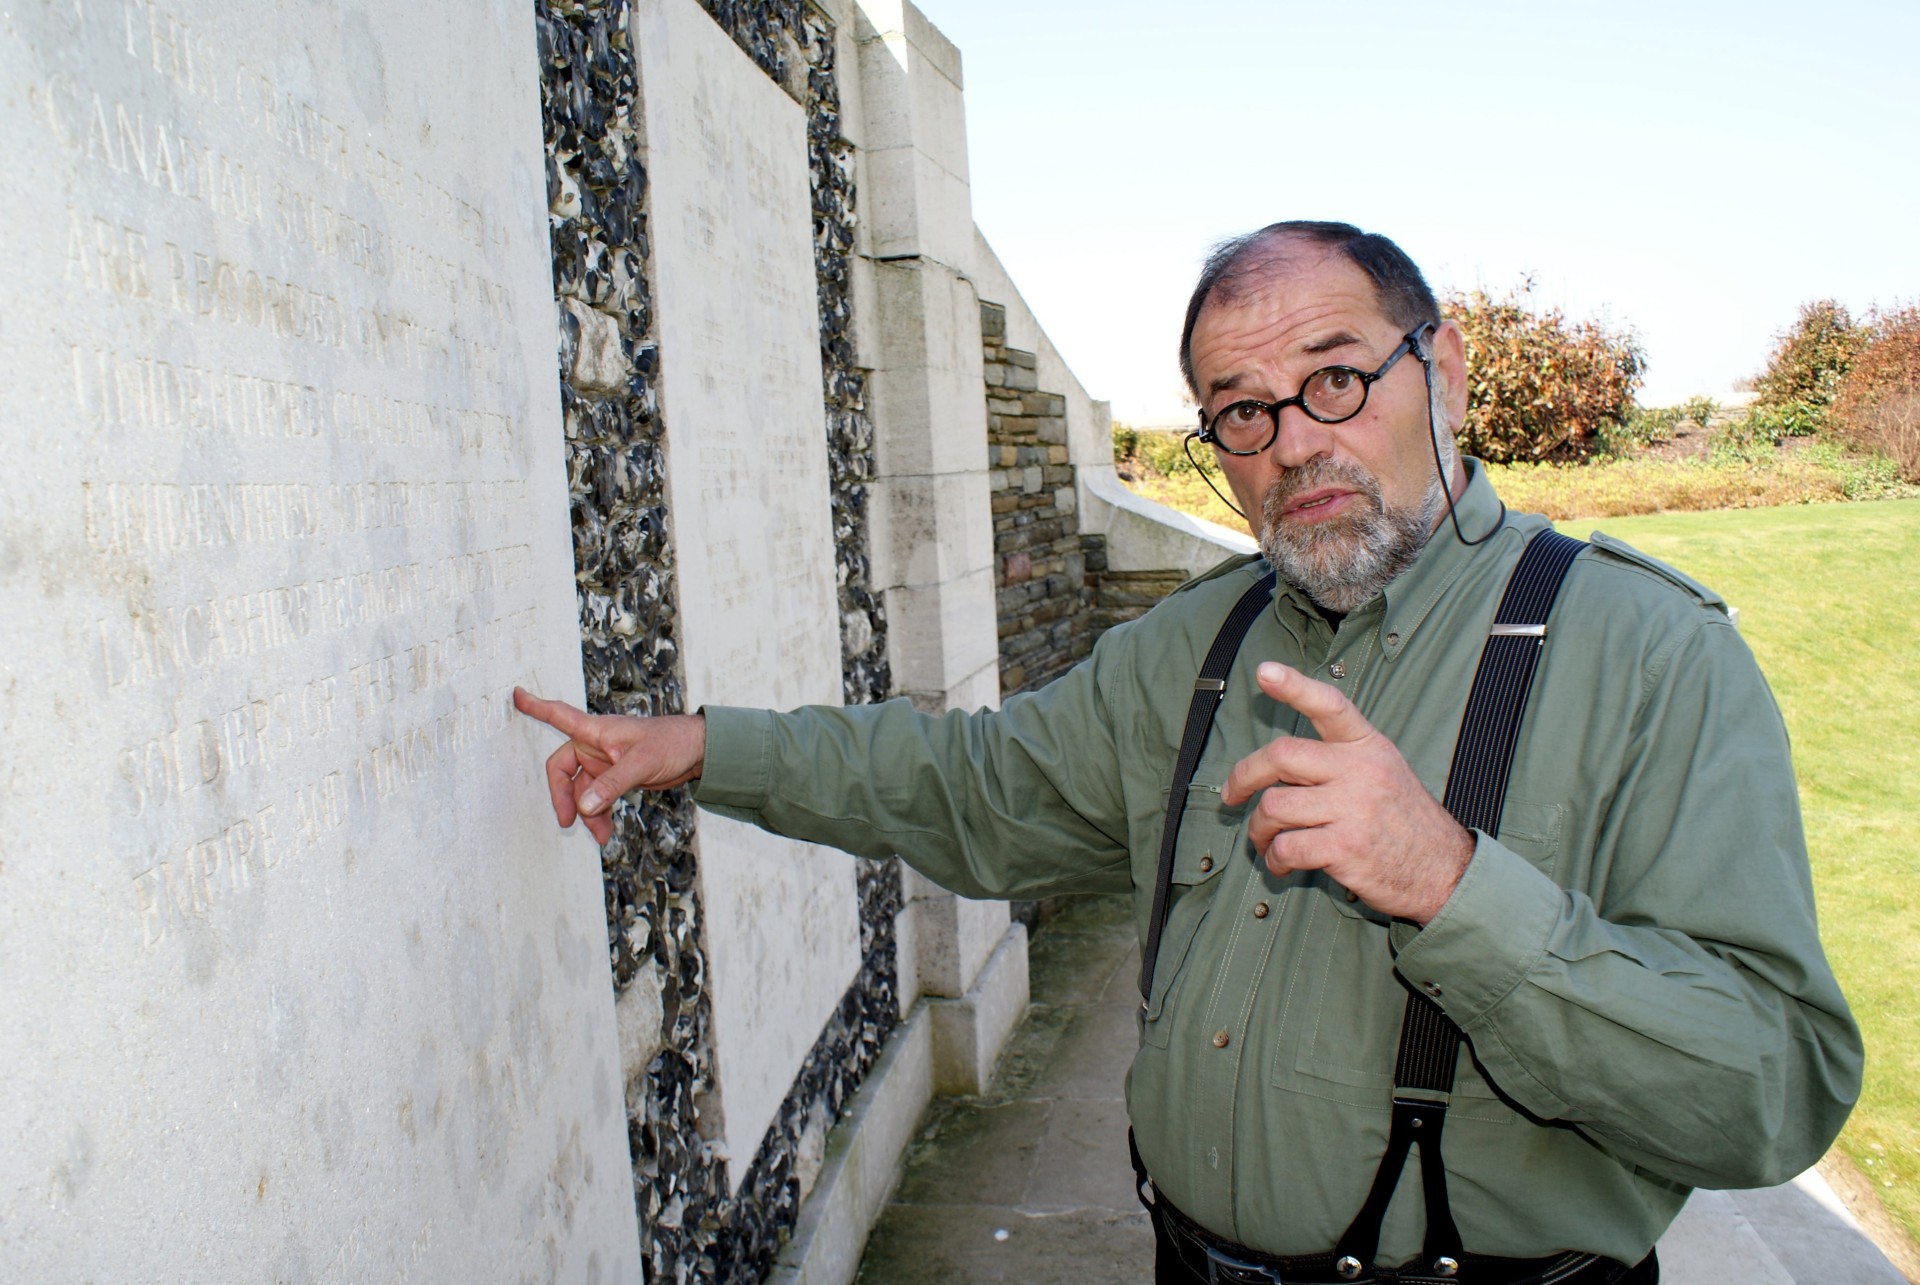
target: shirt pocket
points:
(1533, 831)
(1209, 839)
(1341, 1043)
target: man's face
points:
(1339, 508)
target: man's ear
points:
(1450, 364)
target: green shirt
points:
(1634, 960)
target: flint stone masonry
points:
(302, 985)
(748, 487)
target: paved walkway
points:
(1030, 1182)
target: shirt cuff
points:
(738, 770)
(1488, 936)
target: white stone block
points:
(301, 983)
(941, 633)
(969, 1032)
(916, 198)
(928, 412)
(925, 530)
(941, 210)
(890, 202)
(747, 474)
(978, 690)
(885, 18)
(906, 955)
(953, 937)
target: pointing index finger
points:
(558, 715)
(1333, 716)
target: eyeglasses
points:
(1331, 395)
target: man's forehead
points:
(1292, 270)
(1304, 310)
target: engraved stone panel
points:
(747, 476)
(296, 981)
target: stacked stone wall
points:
(1040, 571)
(1055, 592)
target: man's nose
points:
(1300, 438)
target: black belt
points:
(1222, 1262)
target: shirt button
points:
(1220, 1039)
(1431, 988)
(1260, 910)
(1393, 640)
(1338, 669)
(1352, 897)
(1206, 864)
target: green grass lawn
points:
(1824, 598)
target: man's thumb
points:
(624, 774)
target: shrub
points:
(1877, 407)
(1748, 439)
(1788, 419)
(1540, 387)
(1698, 409)
(1641, 427)
(1809, 361)
(1151, 451)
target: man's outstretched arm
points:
(606, 755)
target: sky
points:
(1692, 170)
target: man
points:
(1632, 960)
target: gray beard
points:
(1342, 564)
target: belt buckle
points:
(1251, 1273)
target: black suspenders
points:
(1475, 795)
(1209, 689)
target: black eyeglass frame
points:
(1409, 343)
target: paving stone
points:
(1081, 1162)
(992, 1145)
(961, 1244)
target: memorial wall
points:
(299, 982)
(359, 364)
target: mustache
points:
(1317, 472)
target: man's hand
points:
(1348, 804)
(608, 754)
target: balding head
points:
(1240, 267)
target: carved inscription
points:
(158, 517)
(309, 321)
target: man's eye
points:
(1336, 381)
(1241, 414)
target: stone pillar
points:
(932, 532)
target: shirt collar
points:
(1412, 595)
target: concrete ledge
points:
(969, 1032)
(864, 1154)
(1145, 536)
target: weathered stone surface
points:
(302, 984)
